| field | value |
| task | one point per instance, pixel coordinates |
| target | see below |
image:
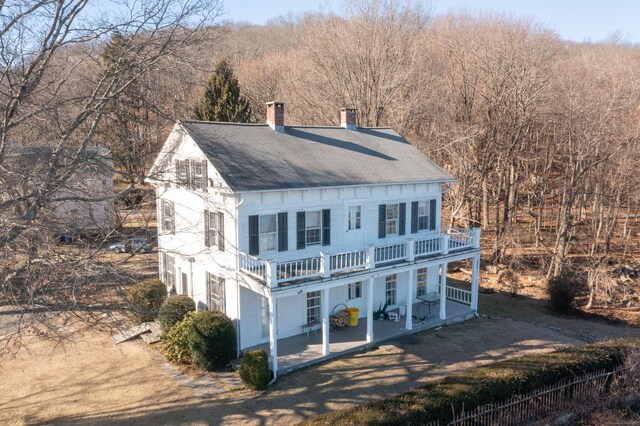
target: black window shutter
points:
(204, 175)
(432, 215)
(188, 182)
(300, 230)
(207, 243)
(402, 212)
(326, 227)
(414, 217)
(283, 234)
(382, 221)
(220, 231)
(254, 235)
(223, 296)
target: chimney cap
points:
(274, 102)
(348, 109)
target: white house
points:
(281, 226)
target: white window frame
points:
(220, 283)
(392, 224)
(169, 272)
(315, 229)
(358, 218)
(271, 235)
(168, 211)
(354, 290)
(426, 219)
(391, 289)
(213, 228)
(421, 281)
(314, 304)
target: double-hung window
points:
(313, 228)
(355, 218)
(391, 289)
(168, 216)
(169, 271)
(215, 293)
(355, 290)
(313, 307)
(268, 230)
(423, 215)
(392, 219)
(421, 284)
(214, 229)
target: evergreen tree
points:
(125, 129)
(221, 100)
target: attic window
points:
(192, 174)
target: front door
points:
(354, 238)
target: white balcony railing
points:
(450, 240)
(349, 260)
(457, 294)
(296, 269)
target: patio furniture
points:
(394, 316)
(312, 326)
(429, 299)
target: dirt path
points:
(93, 381)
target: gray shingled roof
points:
(253, 157)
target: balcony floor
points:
(300, 350)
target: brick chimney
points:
(275, 116)
(348, 118)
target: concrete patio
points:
(298, 351)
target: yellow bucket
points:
(353, 316)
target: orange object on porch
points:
(353, 316)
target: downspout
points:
(239, 201)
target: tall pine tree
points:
(221, 100)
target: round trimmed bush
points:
(212, 340)
(174, 309)
(562, 291)
(254, 369)
(146, 298)
(176, 340)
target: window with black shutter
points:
(300, 230)
(402, 218)
(283, 237)
(414, 217)
(220, 231)
(254, 235)
(326, 227)
(382, 221)
(432, 215)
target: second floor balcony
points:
(275, 274)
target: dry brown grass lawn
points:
(93, 381)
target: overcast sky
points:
(578, 20)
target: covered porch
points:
(300, 350)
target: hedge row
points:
(483, 385)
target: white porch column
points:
(475, 280)
(410, 296)
(273, 336)
(324, 307)
(443, 291)
(370, 310)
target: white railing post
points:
(411, 250)
(475, 277)
(475, 233)
(325, 265)
(444, 243)
(271, 273)
(443, 291)
(371, 256)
